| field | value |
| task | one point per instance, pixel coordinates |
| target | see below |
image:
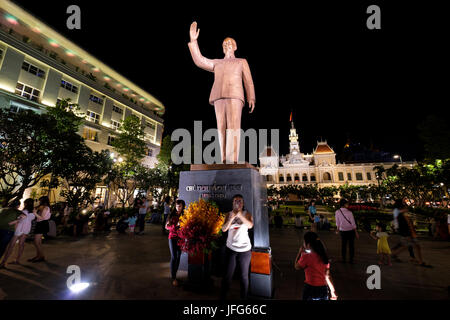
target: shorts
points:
(41, 227)
(408, 241)
(315, 292)
(131, 228)
(19, 233)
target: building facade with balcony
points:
(38, 67)
(319, 168)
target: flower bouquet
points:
(200, 225)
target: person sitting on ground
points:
(321, 222)
(313, 258)
(121, 225)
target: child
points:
(131, 224)
(23, 227)
(313, 258)
(382, 244)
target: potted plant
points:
(200, 227)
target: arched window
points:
(304, 177)
(326, 176)
(296, 178)
(313, 177)
(281, 178)
(288, 177)
(268, 177)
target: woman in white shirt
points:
(42, 216)
(239, 248)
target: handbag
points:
(345, 216)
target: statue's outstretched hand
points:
(251, 105)
(193, 32)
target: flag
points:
(290, 117)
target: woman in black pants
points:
(172, 225)
(239, 248)
(346, 226)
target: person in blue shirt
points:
(315, 218)
(131, 224)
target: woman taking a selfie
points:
(239, 248)
(312, 257)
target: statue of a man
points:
(227, 94)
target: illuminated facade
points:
(38, 67)
(319, 168)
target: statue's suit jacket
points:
(228, 76)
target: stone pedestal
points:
(220, 182)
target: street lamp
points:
(398, 157)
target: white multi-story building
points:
(319, 168)
(38, 66)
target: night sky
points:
(316, 58)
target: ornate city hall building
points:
(319, 168)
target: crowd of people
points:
(37, 222)
(16, 225)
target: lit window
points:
(341, 176)
(33, 69)
(117, 109)
(150, 125)
(359, 176)
(27, 92)
(15, 109)
(349, 176)
(92, 117)
(90, 134)
(111, 140)
(96, 99)
(115, 125)
(69, 86)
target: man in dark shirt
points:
(8, 215)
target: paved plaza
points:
(124, 268)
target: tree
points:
(169, 173)
(32, 146)
(79, 179)
(124, 177)
(379, 171)
(130, 142)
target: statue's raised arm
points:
(199, 60)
